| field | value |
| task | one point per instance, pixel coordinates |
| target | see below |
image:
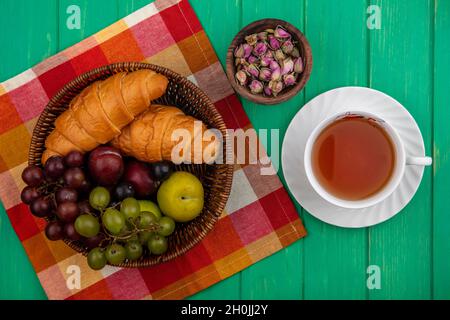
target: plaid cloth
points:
(259, 218)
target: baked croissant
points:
(152, 137)
(102, 110)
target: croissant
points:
(102, 110)
(152, 137)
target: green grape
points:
(115, 254)
(130, 208)
(157, 244)
(99, 198)
(113, 220)
(144, 236)
(96, 259)
(87, 225)
(133, 250)
(167, 226)
(146, 219)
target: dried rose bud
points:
(265, 74)
(276, 74)
(274, 65)
(239, 51)
(287, 65)
(281, 33)
(252, 59)
(289, 79)
(256, 86)
(274, 43)
(269, 54)
(287, 46)
(240, 61)
(267, 90)
(259, 49)
(295, 53)
(276, 87)
(253, 70)
(247, 50)
(251, 39)
(262, 36)
(269, 30)
(241, 77)
(265, 61)
(279, 55)
(298, 65)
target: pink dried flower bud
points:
(240, 61)
(287, 66)
(279, 55)
(253, 70)
(289, 79)
(268, 54)
(252, 59)
(281, 33)
(256, 86)
(239, 51)
(287, 46)
(276, 86)
(274, 65)
(274, 43)
(298, 65)
(241, 77)
(276, 74)
(262, 36)
(269, 30)
(251, 39)
(265, 61)
(295, 53)
(265, 74)
(247, 50)
(260, 49)
(267, 90)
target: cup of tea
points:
(356, 159)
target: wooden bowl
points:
(305, 53)
(182, 93)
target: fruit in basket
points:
(123, 190)
(149, 137)
(96, 259)
(113, 220)
(161, 170)
(74, 159)
(105, 165)
(181, 196)
(99, 198)
(130, 208)
(66, 194)
(54, 231)
(102, 109)
(33, 176)
(133, 250)
(87, 225)
(167, 226)
(115, 254)
(70, 232)
(150, 206)
(138, 175)
(74, 178)
(41, 207)
(94, 241)
(67, 211)
(29, 194)
(146, 218)
(54, 168)
(157, 244)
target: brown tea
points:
(353, 158)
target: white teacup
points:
(401, 161)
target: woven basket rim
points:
(39, 136)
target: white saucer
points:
(338, 101)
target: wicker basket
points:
(181, 93)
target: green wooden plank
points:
(335, 258)
(401, 67)
(280, 275)
(30, 32)
(211, 15)
(95, 15)
(441, 227)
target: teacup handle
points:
(419, 161)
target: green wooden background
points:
(408, 58)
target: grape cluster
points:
(106, 220)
